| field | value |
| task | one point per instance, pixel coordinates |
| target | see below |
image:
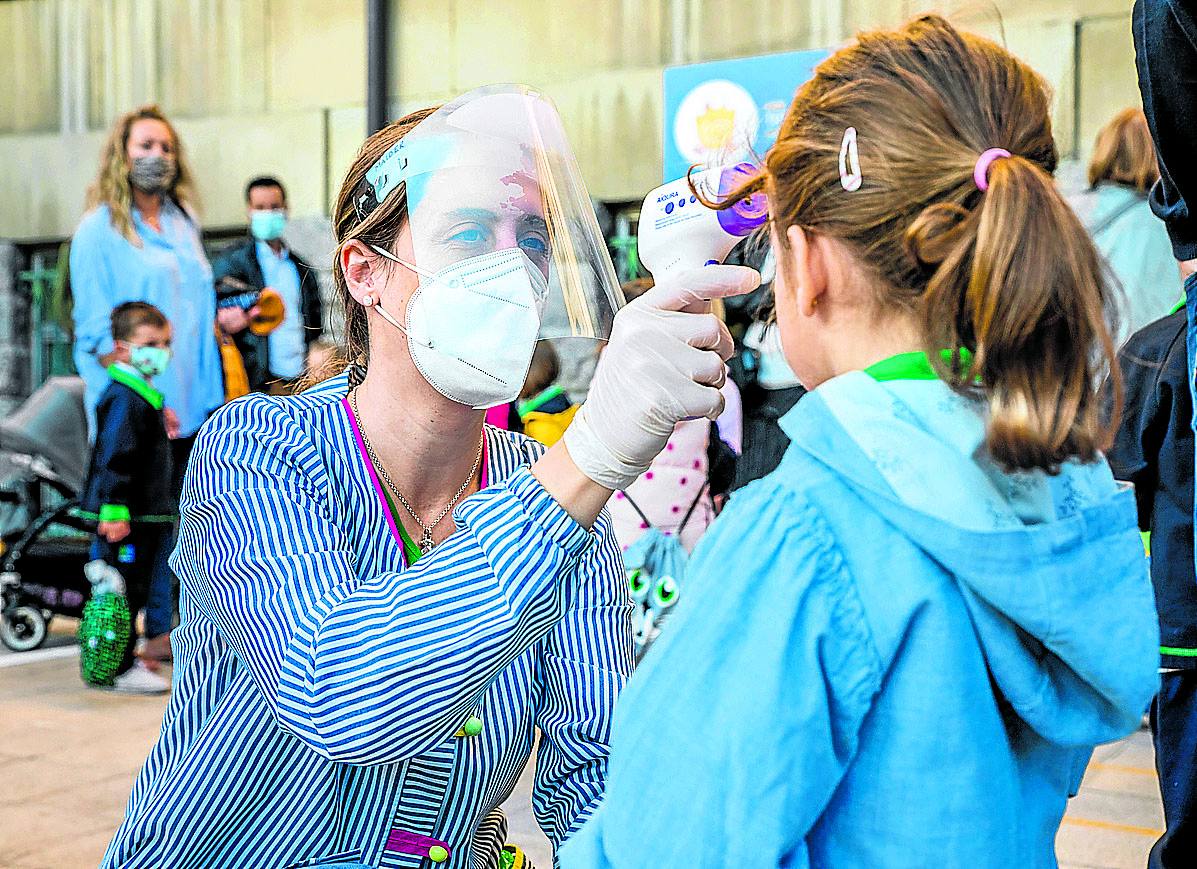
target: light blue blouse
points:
(171, 272)
(321, 687)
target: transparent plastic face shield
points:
(492, 170)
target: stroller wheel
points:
(22, 628)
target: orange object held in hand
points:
(232, 364)
(268, 313)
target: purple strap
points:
(361, 446)
(403, 842)
(483, 481)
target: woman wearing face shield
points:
(384, 600)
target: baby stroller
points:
(43, 543)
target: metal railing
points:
(50, 340)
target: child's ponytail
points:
(1022, 286)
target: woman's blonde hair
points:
(1008, 274)
(1124, 153)
(112, 186)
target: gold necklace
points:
(425, 543)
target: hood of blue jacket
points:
(1051, 567)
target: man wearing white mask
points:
(276, 360)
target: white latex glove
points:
(664, 363)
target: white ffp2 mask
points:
(472, 326)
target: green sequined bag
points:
(103, 635)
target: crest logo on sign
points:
(717, 120)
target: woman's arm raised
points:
(664, 363)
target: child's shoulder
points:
(1155, 341)
(1156, 354)
(116, 391)
(122, 399)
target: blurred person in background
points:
(140, 242)
(770, 389)
(1115, 211)
(129, 487)
(544, 409)
(768, 386)
(681, 493)
(1165, 33)
(273, 361)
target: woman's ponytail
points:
(1022, 286)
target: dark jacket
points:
(241, 263)
(1154, 450)
(1165, 34)
(130, 476)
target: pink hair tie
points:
(981, 171)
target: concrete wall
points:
(277, 85)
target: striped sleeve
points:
(586, 661)
(364, 669)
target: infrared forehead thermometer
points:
(678, 232)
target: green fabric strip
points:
(1146, 535)
(1177, 652)
(410, 550)
(152, 396)
(114, 513)
(161, 518)
(537, 401)
(1180, 303)
(913, 366)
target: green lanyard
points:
(538, 401)
(152, 396)
(913, 366)
(410, 550)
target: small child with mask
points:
(128, 489)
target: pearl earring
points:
(368, 300)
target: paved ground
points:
(69, 755)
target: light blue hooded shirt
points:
(888, 653)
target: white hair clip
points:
(850, 177)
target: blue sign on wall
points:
(728, 110)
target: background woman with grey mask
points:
(140, 242)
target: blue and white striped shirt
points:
(319, 685)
